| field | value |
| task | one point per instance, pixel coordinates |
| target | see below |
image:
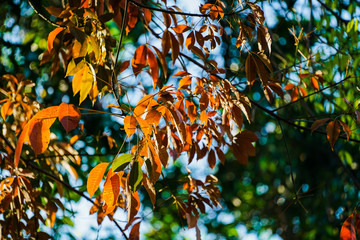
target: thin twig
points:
(176, 12)
(309, 95)
(67, 185)
(114, 74)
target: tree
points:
(126, 90)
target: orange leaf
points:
(153, 117)
(333, 131)
(130, 125)
(39, 135)
(348, 229)
(289, 86)
(147, 15)
(6, 109)
(111, 188)
(23, 138)
(154, 67)
(191, 110)
(95, 177)
(185, 82)
(69, 116)
(315, 83)
(190, 40)
(181, 28)
(52, 36)
(139, 59)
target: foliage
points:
(140, 87)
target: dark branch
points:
(302, 98)
(340, 19)
(175, 12)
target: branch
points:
(176, 12)
(67, 185)
(276, 116)
(302, 98)
(340, 19)
(37, 11)
(113, 75)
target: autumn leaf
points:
(333, 131)
(135, 177)
(211, 159)
(318, 123)
(39, 135)
(111, 188)
(149, 188)
(95, 177)
(69, 116)
(6, 109)
(121, 162)
(348, 229)
(346, 129)
(130, 125)
(134, 205)
(52, 36)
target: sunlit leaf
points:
(95, 177)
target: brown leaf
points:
(154, 67)
(318, 123)
(212, 159)
(139, 59)
(150, 189)
(346, 129)
(69, 116)
(333, 131)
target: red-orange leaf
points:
(39, 135)
(130, 125)
(139, 60)
(6, 109)
(154, 67)
(69, 116)
(185, 82)
(24, 136)
(315, 83)
(95, 177)
(52, 36)
(191, 110)
(333, 131)
(111, 189)
(180, 28)
(348, 229)
(289, 86)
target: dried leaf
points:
(333, 131)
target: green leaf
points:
(135, 177)
(121, 162)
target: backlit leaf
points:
(52, 36)
(121, 162)
(211, 159)
(348, 229)
(333, 131)
(95, 177)
(69, 116)
(130, 125)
